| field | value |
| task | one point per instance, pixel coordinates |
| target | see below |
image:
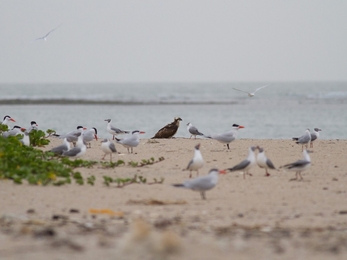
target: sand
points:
(254, 218)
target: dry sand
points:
(254, 218)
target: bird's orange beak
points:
(11, 119)
(222, 172)
(23, 129)
(241, 126)
(142, 132)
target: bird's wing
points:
(260, 88)
(51, 31)
(296, 164)
(242, 91)
(270, 164)
(242, 165)
(113, 147)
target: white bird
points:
(7, 119)
(299, 166)
(227, 137)
(197, 162)
(114, 130)
(72, 136)
(14, 131)
(61, 148)
(203, 183)
(26, 138)
(46, 35)
(89, 135)
(193, 130)
(108, 148)
(264, 162)
(79, 150)
(130, 141)
(251, 94)
(305, 139)
(33, 126)
(246, 164)
(314, 135)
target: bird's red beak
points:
(96, 137)
(222, 172)
(23, 129)
(241, 126)
(142, 132)
(11, 119)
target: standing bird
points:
(14, 131)
(72, 136)
(246, 164)
(79, 150)
(7, 120)
(130, 141)
(26, 138)
(169, 130)
(61, 148)
(203, 183)
(33, 126)
(193, 130)
(251, 94)
(264, 162)
(299, 166)
(305, 139)
(113, 130)
(197, 162)
(227, 137)
(89, 135)
(108, 148)
(314, 135)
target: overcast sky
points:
(173, 40)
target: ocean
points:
(280, 111)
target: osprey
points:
(169, 130)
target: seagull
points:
(61, 148)
(108, 148)
(77, 151)
(72, 136)
(14, 131)
(169, 130)
(193, 130)
(251, 94)
(89, 135)
(299, 166)
(305, 139)
(203, 183)
(197, 162)
(314, 135)
(246, 164)
(33, 126)
(113, 130)
(227, 137)
(7, 119)
(264, 162)
(45, 36)
(130, 141)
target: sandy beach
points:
(253, 218)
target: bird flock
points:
(81, 139)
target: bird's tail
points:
(295, 138)
(117, 139)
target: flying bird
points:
(46, 35)
(305, 139)
(108, 148)
(299, 166)
(228, 137)
(169, 130)
(251, 94)
(203, 183)
(246, 164)
(130, 141)
(197, 162)
(264, 162)
(314, 135)
(114, 130)
(193, 130)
